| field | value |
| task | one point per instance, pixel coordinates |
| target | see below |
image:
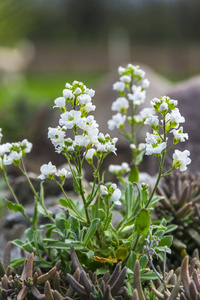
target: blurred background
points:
(44, 44)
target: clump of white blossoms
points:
(12, 153)
(85, 128)
(169, 121)
(77, 137)
(131, 88)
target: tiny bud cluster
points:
(111, 192)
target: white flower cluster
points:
(112, 192)
(132, 89)
(156, 142)
(12, 153)
(119, 169)
(84, 127)
(48, 171)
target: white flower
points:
(77, 91)
(26, 146)
(119, 169)
(139, 72)
(132, 146)
(16, 156)
(138, 96)
(119, 86)
(157, 149)
(121, 70)
(90, 92)
(81, 141)
(70, 118)
(56, 135)
(68, 85)
(84, 98)
(89, 125)
(89, 155)
(47, 171)
(5, 148)
(117, 121)
(179, 135)
(88, 107)
(125, 78)
(154, 144)
(67, 94)
(155, 102)
(145, 83)
(103, 190)
(181, 159)
(141, 146)
(106, 144)
(120, 104)
(63, 173)
(116, 195)
(173, 102)
(163, 106)
(146, 112)
(59, 102)
(7, 160)
(175, 118)
(152, 121)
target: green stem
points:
(34, 191)
(157, 181)
(13, 194)
(160, 166)
(8, 185)
(81, 190)
(71, 207)
(29, 182)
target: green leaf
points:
(66, 245)
(15, 207)
(107, 222)
(35, 214)
(18, 243)
(142, 222)
(74, 223)
(143, 260)
(29, 234)
(38, 240)
(154, 200)
(60, 224)
(17, 262)
(42, 211)
(91, 231)
(171, 228)
(101, 271)
(149, 276)
(129, 198)
(159, 233)
(73, 207)
(41, 193)
(134, 174)
(166, 241)
(121, 253)
(131, 260)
